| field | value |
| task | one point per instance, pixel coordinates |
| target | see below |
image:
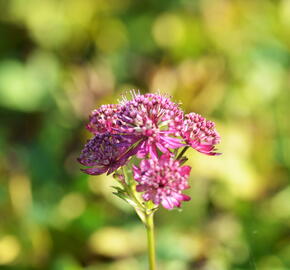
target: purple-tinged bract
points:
(104, 119)
(155, 119)
(162, 181)
(200, 134)
(106, 152)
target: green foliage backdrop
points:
(228, 60)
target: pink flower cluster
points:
(200, 134)
(162, 181)
(151, 127)
(155, 119)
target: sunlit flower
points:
(106, 153)
(162, 181)
(200, 134)
(155, 119)
(104, 119)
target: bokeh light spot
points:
(9, 249)
(168, 30)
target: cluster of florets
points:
(153, 128)
(104, 119)
(200, 134)
(106, 152)
(162, 181)
(155, 119)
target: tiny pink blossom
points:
(162, 181)
(200, 134)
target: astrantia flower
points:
(106, 153)
(200, 134)
(162, 181)
(155, 119)
(104, 119)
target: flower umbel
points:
(162, 181)
(106, 153)
(155, 119)
(104, 119)
(200, 134)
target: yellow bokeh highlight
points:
(110, 242)
(112, 36)
(169, 30)
(232, 167)
(20, 193)
(103, 185)
(165, 81)
(9, 249)
(116, 242)
(41, 244)
(72, 206)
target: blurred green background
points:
(227, 60)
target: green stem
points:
(146, 214)
(130, 190)
(149, 223)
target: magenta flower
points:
(149, 126)
(200, 134)
(106, 153)
(162, 181)
(104, 119)
(155, 119)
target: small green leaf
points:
(121, 196)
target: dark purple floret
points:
(107, 152)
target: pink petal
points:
(185, 197)
(95, 171)
(172, 142)
(185, 170)
(166, 203)
(140, 188)
(153, 152)
(161, 148)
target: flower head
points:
(200, 134)
(104, 119)
(106, 153)
(154, 118)
(162, 181)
